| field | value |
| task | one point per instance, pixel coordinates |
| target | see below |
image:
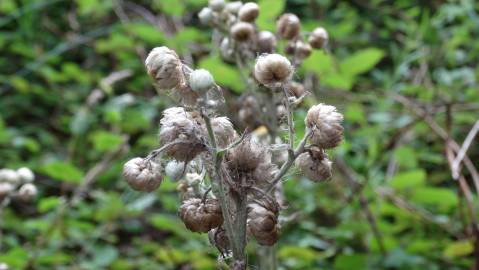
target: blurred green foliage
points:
(61, 116)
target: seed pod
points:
(26, 175)
(273, 70)
(326, 122)
(165, 67)
(290, 47)
(224, 131)
(219, 239)
(174, 170)
(288, 26)
(248, 12)
(314, 164)
(142, 175)
(247, 155)
(179, 128)
(296, 89)
(5, 189)
(303, 50)
(201, 81)
(27, 192)
(199, 216)
(262, 222)
(9, 176)
(266, 42)
(233, 7)
(216, 5)
(242, 31)
(206, 16)
(318, 39)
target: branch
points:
(462, 152)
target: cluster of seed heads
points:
(198, 146)
(17, 184)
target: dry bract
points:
(142, 175)
(288, 26)
(242, 31)
(314, 164)
(247, 155)
(165, 67)
(318, 38)
(199, 216)
(248, 12)
(219, 239)
(296, 89)
(326, 122)
(262, 222)
(273, 70)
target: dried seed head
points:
(5, 189)
(224, 132)
(174, 169)
(27, 192)
(206, 16)
(262, 222)
(281, 111)
(296, 89)
(216, 5)
(248, 12)
(327, 123)
(290, 47)
(303, 49)
(248, 112)
(9, 176)
(199, 216)
(314, 164)
(201, 81)
(242, 31)
(273, 70)
(266, 42)
(288, 26)
(264, 174)
(142, 175)
(219, 239)
(247, 155)
(165, 67)
(26, 175)
(318, 38)
(180, 128)
(233, 7)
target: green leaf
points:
(411, 179)
(406, 156)
(16, 258)
(223, 73)
(337, 80)
(170, 7)
(319, 62)
(348, 262)
(105, 141)
(63, 171)
(269, 11)
(361, 61)
(443, 198)
(146, 32)
(458, 249)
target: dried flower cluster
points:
(230, 185)
(17, 184)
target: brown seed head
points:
(326, 122)
(314, 164)
(273, 70)
(318, 39)
(248, 12)
(242, 31)
(288, 26)
(199, 216)
(142, 175)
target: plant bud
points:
(266, 42)
(165, 67)
(326, 122)
(219, 239)
(174, 170)
(224, 131)
(199, 216)
(5, 189)
(262, 222)
(273, 70)
(233, 7)
(242, 31)
(142, 175)
(296, 89)
(26, 175)
(206, 16)
(27, 192)
(248, 12)
(216, 5)
(288, 26)
(314, 165)
(303, 50)
(318, 39)
(9, 176)
(201, 81)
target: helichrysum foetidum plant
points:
(230, 182)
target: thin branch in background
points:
(462, 152)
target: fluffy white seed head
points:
(266, 42)
(314, 165)
(26, 175)
(242, 31)
(165, 67)
(288, 26)
(233, 7)
(174, 169)
(9, 176)
(206, 15)
(216, 5)
(326, 122)
(27, 192)
(273, 70)
(318, 38)
(248, 12)
(5, 189)
(201, 81)
(142, 175)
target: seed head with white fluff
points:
(273, 70)
(165, 67)
(326, 122)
